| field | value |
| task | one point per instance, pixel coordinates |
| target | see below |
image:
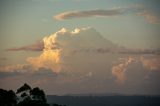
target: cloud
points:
(74, 52)
(9, 74)
(37, 46)
(119, 70)
(151, 63)
(16, 68)
(59, 48)
(115, 49)
(90, 13)
(48, 59)
(150, 16)
(121, 50)
(66, 42)
(3, 58)
(91, 65)
(24, 69)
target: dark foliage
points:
(32, 97)
(7, 98)
(25, 87)
(23, 95)
(38, 94)
(27, 97)
(58, 105)
(32, 103)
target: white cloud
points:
(58, 50)
(60, 45)
(83, 53)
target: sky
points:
(81, 46)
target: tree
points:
(24, 92)
(24, 88)
(27, 97)
(38, 94)
(31, 97)
(7, 98)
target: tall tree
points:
(31, 97)
(24, 88)
(7, 98)
(38, 94)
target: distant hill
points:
(95, 94)
(112, 100)
(107, 94)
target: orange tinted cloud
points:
(151, 63)
(150, 17)
(16, 68)
(119, 70)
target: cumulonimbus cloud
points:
(90, 13)
(59, 48)
(100, 46)
(61, 45)
(66, 42)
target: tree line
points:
(24, 96)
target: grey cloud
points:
(90, 13)
(26, 70)
(123, 50)
(45, 72)
(3, 59)
(38, 46)
(9, 74)
(96, 44)
(120, 50)
(150, 16)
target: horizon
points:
(81, 46)
(104, 94)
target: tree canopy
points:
(25, 87)
(27, 97)
(7, 98)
